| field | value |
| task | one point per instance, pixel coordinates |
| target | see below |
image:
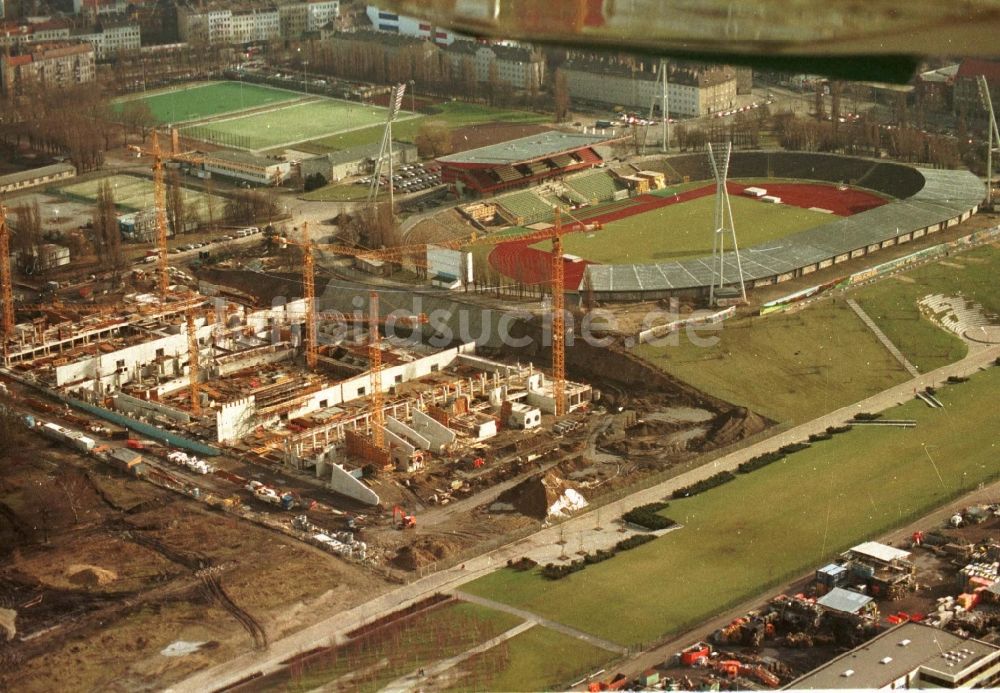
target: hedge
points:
(755, 463)
(704, 485)
(553, 571)
(646, 516)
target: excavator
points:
(406, 520)
(733, 668)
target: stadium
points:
(795, 213)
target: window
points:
(399, 378)
(434, 368)
(361, 391)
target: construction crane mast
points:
(558, 318)
(375, 366)
(160, 208)
(160, 199)
(309, 294)
(6, 282)
(193, 372)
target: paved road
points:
(332, 629)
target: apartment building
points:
(519, 66)
(223, 23)
(54, 65)
(394, 23)
(692, 90)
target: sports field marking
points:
(290, 124)
(200, 101)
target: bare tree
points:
(177, 215)
(560, 92)
(107, 233)
(434, 139)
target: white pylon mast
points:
(719, 158)
(993, 144)
(384, 159)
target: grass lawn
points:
(789, 366)
(686, 230)
(293, 123)
(765, 527)
(455, 113)
(386, 655)
(536, 660)
(204, 100)
(892, 304)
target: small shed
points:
(845, 602)
(831, 576)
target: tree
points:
(28, 227)
(211, 208)
(433, 139)
(107, 234)
(560, 93)
(375, 226)
(177, 215)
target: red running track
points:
(527, 265)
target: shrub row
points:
(646, 516)
(834, 430)
(558, 572)
(814, 437)
(957, 379)
(703, 485)
(792, 447)
(865, 416)
(755, 463)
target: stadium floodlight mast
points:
(993, 144)
(718, 156)
(385, 150)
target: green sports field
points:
(133, 194)
(205, 100)
(763, 528)
(284, 125)
(685, 230)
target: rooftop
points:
(32, 173)
(973, 67)
(843, 600)
(678, 74)
(524, 149)
(880, 552)
(894, 654)
(240, 158)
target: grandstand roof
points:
(944, 195)
(522, 150)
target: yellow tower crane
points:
(375, 367)
(417, 254)
(6, 282)
(160, 199)
(193, 370)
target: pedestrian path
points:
(886, 342)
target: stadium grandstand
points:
(519, 163)
(925, 201)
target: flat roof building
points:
(911, 655)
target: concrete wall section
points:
(140, 407)
(234, 420)
(121, 364)
(438, 435)
(342, 482)
(407, 433)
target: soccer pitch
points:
(205, 100)
(133, 194)
(685, 230)
(290, 124)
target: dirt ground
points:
(485, 134)
(169, 571)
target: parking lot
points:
(410, 178)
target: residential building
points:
(223, 23)
(912, 655)
(54, 65)
(111, 37)
(519, 66)
(384, 20)
(43, 31)
(693, 90)
(967, 98)
(99, 7)
(390, 44)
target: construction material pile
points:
(190, 462)
(543, 495)
(736, 424)
(90, 575)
